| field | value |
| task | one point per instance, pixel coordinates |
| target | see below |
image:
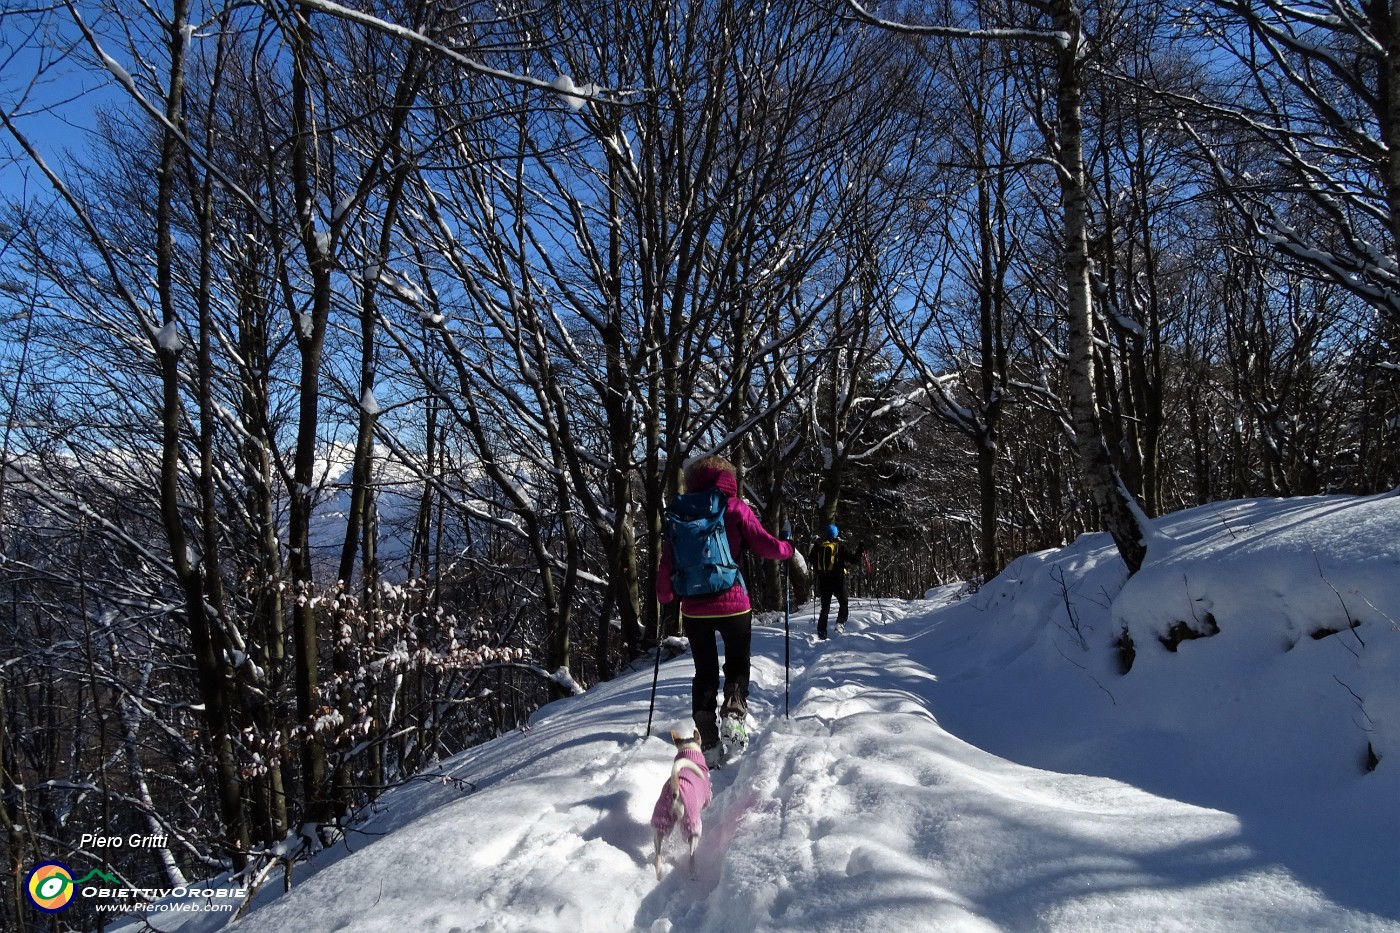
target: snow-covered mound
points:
(962, 763)
(1263, 677)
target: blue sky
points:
(52, 97)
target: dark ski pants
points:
(737, 634)
(829, 585)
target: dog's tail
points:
(677, 805)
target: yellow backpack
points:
(824, 560)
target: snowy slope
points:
(962, 764)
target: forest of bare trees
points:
(353, 349)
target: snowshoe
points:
(733, 738)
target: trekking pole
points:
(656, 672)
(870, 578)
(787, 614)
(787, 637)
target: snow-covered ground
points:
(967, 762)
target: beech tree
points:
(1062, 35)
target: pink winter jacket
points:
(695, 796)
(743, 529)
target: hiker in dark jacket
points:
(729, 614)
(829, 559)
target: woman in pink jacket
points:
(728, 614)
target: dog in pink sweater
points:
(685, 794)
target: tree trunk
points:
(310, 330)
(617, 403)
(990, 295)
(210, 663)
(1096, 466)
(266, 629)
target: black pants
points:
(829, 585)
(737, 633)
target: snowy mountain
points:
(967, 762)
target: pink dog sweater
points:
(695, 795)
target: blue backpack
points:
(701, 563)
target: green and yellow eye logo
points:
(50, 886)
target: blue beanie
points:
(832, 531)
